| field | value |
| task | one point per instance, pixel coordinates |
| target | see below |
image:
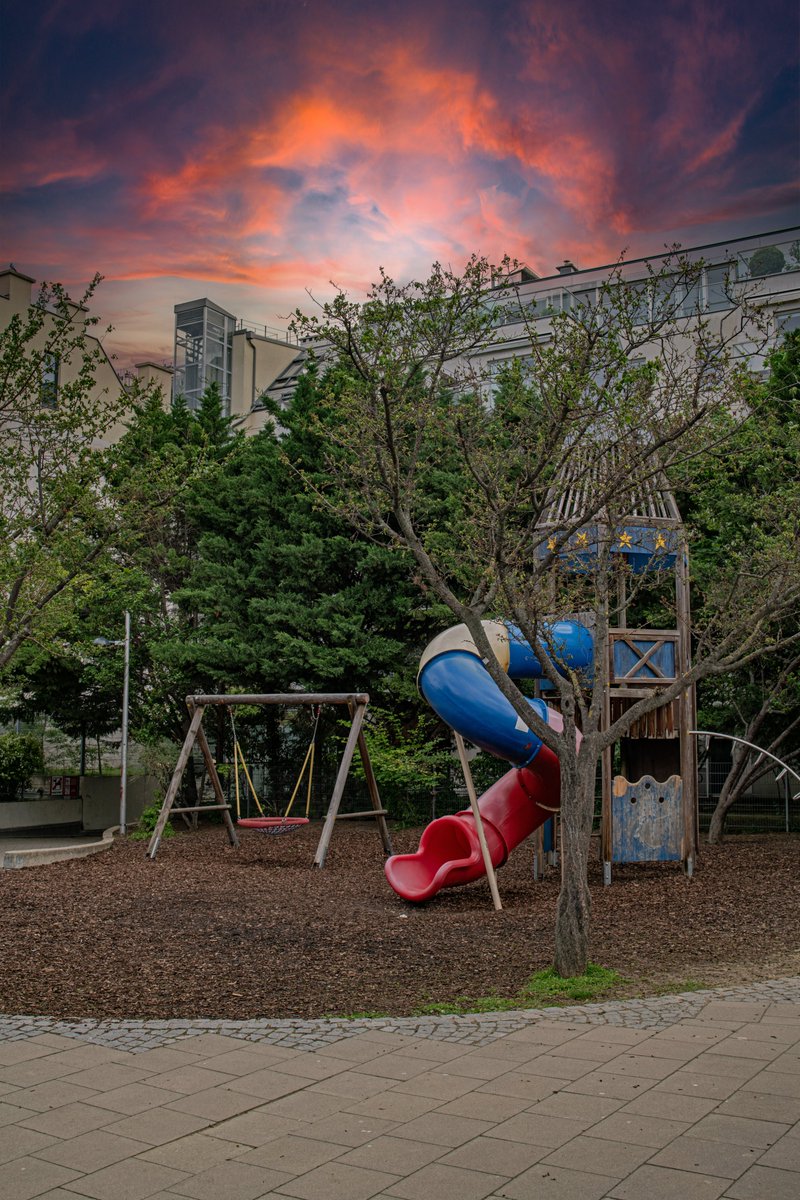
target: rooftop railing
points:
(267, 331)
(711, 292)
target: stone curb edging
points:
(476, 1029)
(17, 859)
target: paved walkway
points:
(691, 1097)
(18, 851)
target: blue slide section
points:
(461, 691)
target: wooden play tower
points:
(649, 778)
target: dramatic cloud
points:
(259, 149)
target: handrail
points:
(728, 737)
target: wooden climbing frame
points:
(356, 704)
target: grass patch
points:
(546, 986)
(544, 989)
(463, 1004)
(676, 986)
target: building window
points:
(48, 381)
(719, 281)
(787, 320)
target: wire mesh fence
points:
(274, 783)
(767, 807)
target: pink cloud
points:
(279, 155)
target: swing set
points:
(280, 823)
(356, 704)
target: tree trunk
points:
(573, 911)
(274, 776)
(731, 790)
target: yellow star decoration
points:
(582, 539)
(551, 543)
(661, 543)
(625, 541)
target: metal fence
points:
(768, 807)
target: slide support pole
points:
(476, 812)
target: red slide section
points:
(449, 851)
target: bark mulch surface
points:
(209, 931)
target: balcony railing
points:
(711, 292)
(267, 331)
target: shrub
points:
(147, 823)
(20, 756)
(769, 260)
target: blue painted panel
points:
(644, 547)
(626, 656)
(646, 820)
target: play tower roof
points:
(594, 499)
(643, 498)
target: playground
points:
(241, 924)
(207, 930)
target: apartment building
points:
(242, 358)
(765, 268)
(251, 362)
(17, 296)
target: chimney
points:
(567, 268)
(16, 287)
(157, 374)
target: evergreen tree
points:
(290, 594)
(737, 498)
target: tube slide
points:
(455, 682)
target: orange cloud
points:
(398, 141)
(272, 159)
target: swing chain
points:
(285, 823)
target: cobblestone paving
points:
(479, 1029)
(686, 1097)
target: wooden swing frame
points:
(356, 704)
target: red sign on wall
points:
(67, 786)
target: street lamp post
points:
(123, 780)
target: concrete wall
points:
(96, 808)
(159, 376)
(255, 362)
(100, 797)
(30, 814)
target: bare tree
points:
(765, 713)
(618, 397)
(743, 493)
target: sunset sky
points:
(249, 150)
